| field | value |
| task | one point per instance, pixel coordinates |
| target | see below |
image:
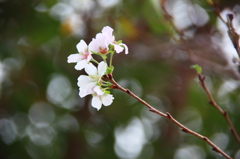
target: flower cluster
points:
(103, 44)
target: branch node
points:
(204, 138)
(210, 102)
(184, 130)
(110, 76)
(169, 115)
(152, 110)
(225, 113)
(104, 76)
(113, 86)
(214, 149)
(128, 91)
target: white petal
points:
(81, 46)
(82, 93)
(83, 80)
(91, 69)
(96, 103)
(102, 67)
(89, 87)
(98, 90)
(107, 99)
(81, 64)
(125, 46)
(73, 58)
(87, 90)
(107, 30)
(89, 57)
(93, 46)
(118, 48)
(102, 41)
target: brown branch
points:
(233, 35)
(167, 115)
(215, 105)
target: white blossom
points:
(107, 32)
(87, 83)
(82, 58)
(103, 40)
(100, 97)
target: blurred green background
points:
(42, 116)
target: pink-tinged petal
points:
(102, 41)
(107, 32)
(99, 44)
(73, 58)
(96, 102)
(98, 90)
(81, 64)
(81, 46)
(89, 57)
(107, 99)
(91, 69)
(118, 48)
(83, 80)
(102, 67)
(125, 46)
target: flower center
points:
(103, 51)
(85, 55)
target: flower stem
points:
(111, 57)
(93, 60)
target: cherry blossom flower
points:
(103, 40)
(87, 83)
(99, 44)
(82, 58)
(100, 97)
(107, 32)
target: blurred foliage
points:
(42, 116)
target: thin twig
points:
(213, 103)
(233, 35)
(167, 115)
(234, 38)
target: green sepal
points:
(197, 68)
(107, 92)
(110, 69)
(111, 47)
(119, 41)
(104, 57)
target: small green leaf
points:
(197, 68)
